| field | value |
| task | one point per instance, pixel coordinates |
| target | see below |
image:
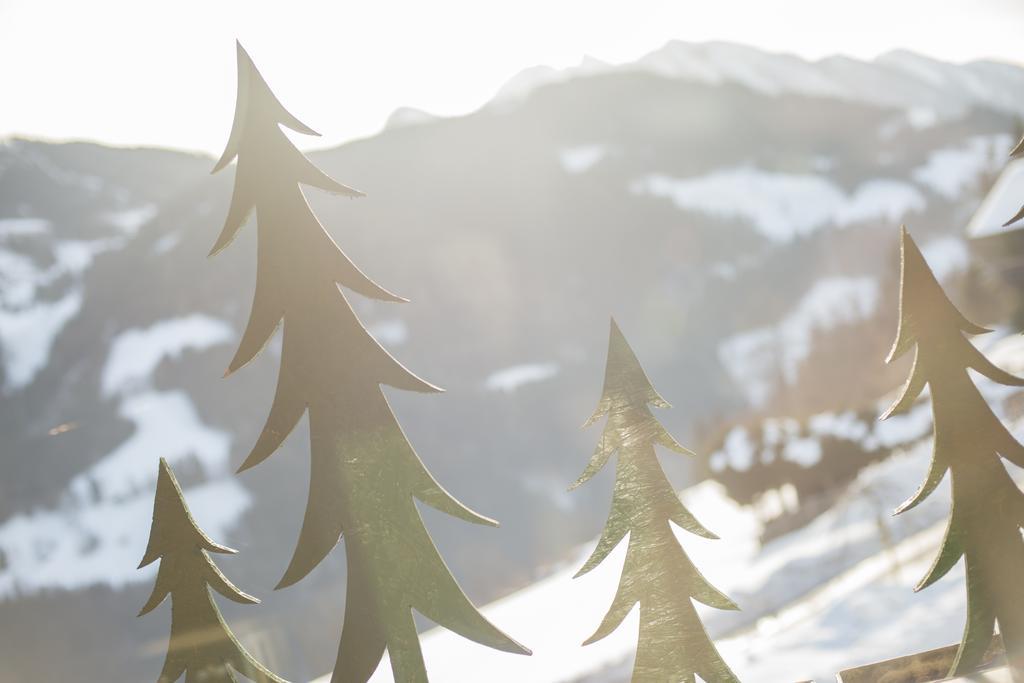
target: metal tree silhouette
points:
(673, 645)
(988, 508)
(365, 476)
(202, 647)
(1017, 153)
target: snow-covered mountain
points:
(669, 202)
(927, 89)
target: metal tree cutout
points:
(988, 507)
(202, 647)
(673, 645)
(1017, 153)
(365, 476)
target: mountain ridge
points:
(919, 77)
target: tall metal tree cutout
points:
(673, 645)
(365, 476)
(202, 647)
(988, 507)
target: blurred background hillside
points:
(736, 210)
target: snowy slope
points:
(813, 602)
(102, 520)
(784, 205)
(843, 586)
(559, 613)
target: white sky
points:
(163, 73)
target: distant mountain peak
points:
(408, 116)
(899, 78)
(520, 86)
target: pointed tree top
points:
(272, 158)
(255, 101)
(925, 310)
(625, 382)
(174, 529)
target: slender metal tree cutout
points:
(988, 507)
(673, 645)
(365, 476)
(202, 647)
(1017, 153)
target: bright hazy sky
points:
(163, 73)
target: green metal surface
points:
(365, 475)
(987, 508)
(658, 576)
(202, 647)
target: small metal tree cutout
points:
(365, 476)
(988, 508)
(202, 647)
(673, 646)
(1017, 153)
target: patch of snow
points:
(887, 200)
(790, 497)
(903, 428)
(846, 425)
(756, 357)
(29, 328)
(921, 118)
(19, 278)
(393, 332)
(751, 359)
(803, 452)
(11, 227)
(73, 257)
(130, 221)
(724, 270)
(166, 243)
(849, 623)
(72, 548)
(166, 426)
(946, 256)
(784, 205)
(102, 523)
(738, 449)
(27, 336)
(774, 503)
(775, 431)
(950, 172)
(512, 378)
(136, 353)
(1008, 354)
(576, 160)
(823, 164)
